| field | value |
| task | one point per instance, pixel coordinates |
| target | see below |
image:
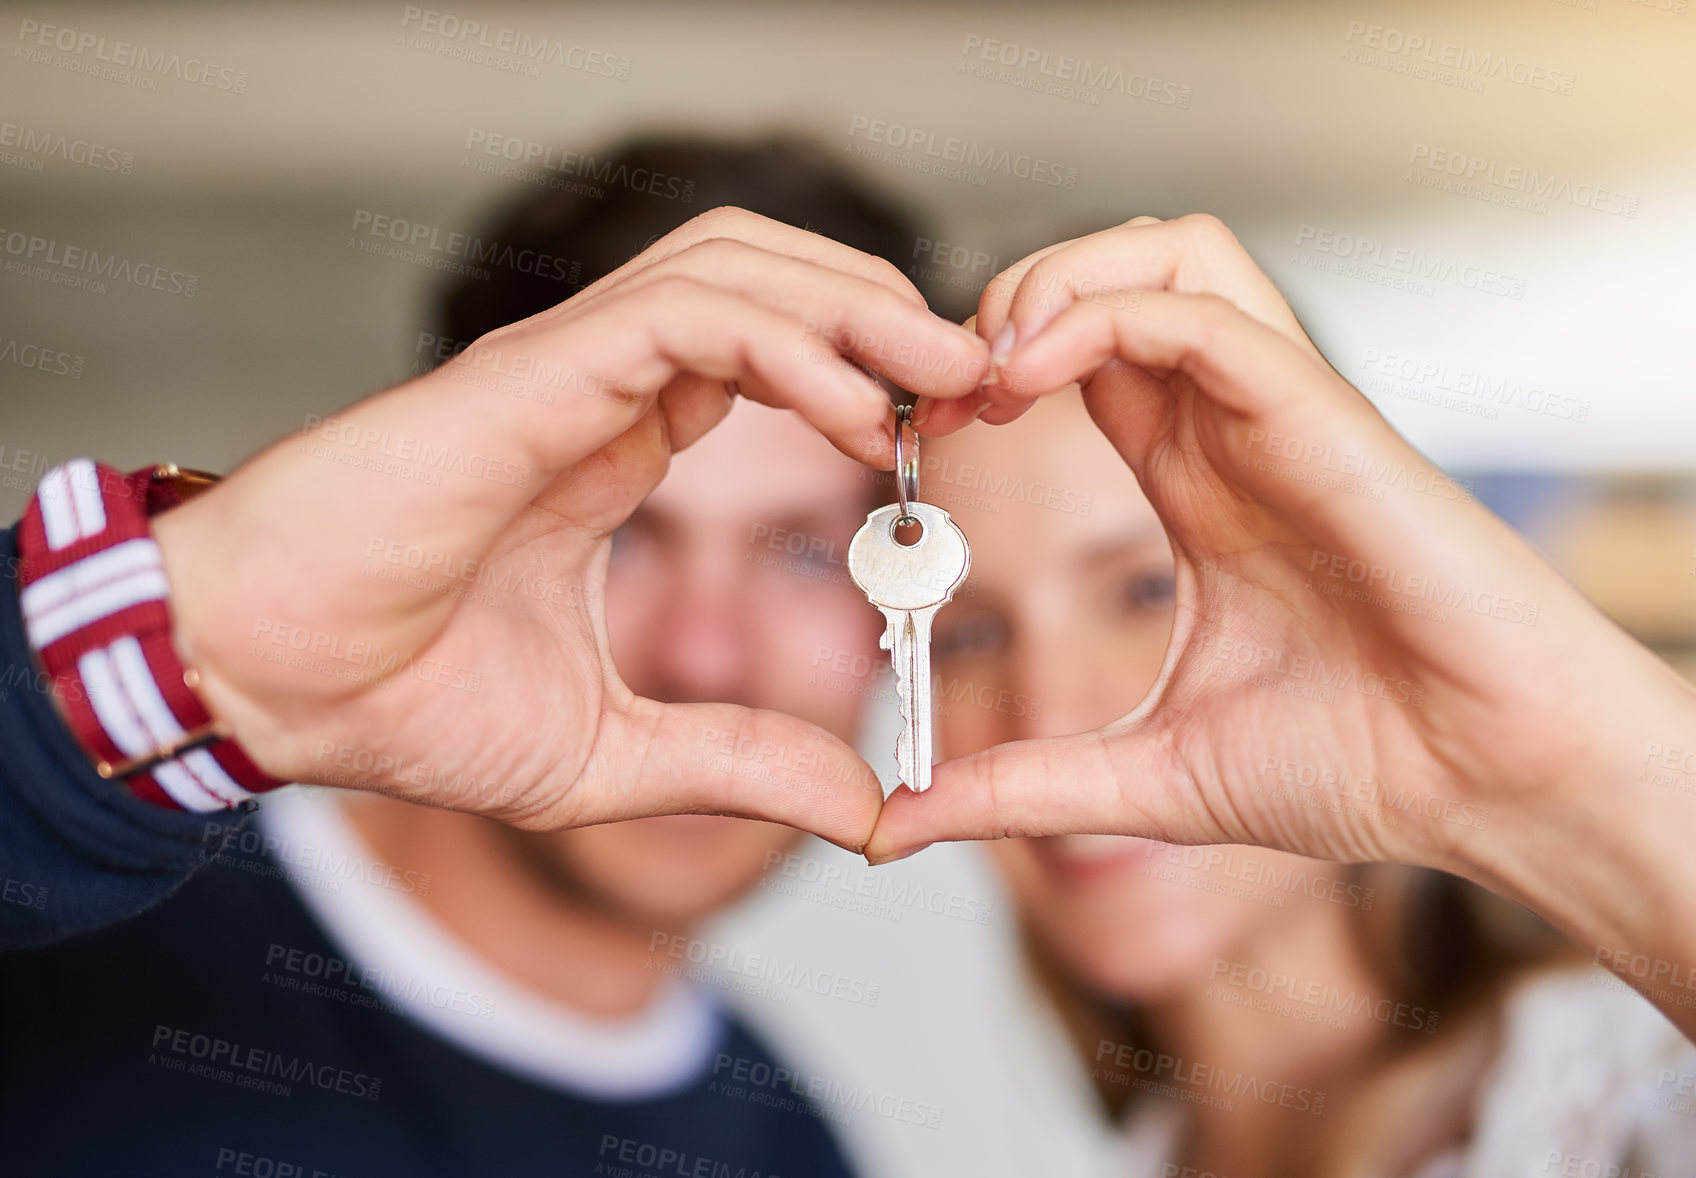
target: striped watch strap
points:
(96, 610)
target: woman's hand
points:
(1365, 664)
(477, 675)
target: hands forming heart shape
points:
(1265, 466)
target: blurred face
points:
(1062, 628)
(728, 584)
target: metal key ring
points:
(906, 463)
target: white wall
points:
(254, 193)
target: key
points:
(909, 583)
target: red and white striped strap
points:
(95, 605)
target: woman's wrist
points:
(1604, 850)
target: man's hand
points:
(512, 465)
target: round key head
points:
(894, 575)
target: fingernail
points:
(922, 412)
(884, 860)
(1003, 344)
(983, 407)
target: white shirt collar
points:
(414, 963)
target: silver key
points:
(909, 583)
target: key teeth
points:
(905, 765)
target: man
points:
(358, 986)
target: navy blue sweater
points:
(138, 1038)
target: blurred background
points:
(1497, 250)
(1482, 213)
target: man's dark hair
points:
(619, 203)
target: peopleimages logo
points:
(1427, 587)
(327, 975)
(759, 1078)
(1321, 995)
(1389, 473)
(253, 1067)
(501, 47)
(1451, 386)
(1365, 797)
(818, 880)
(645, 1159)
(1253, 659)
(76, 265)
(1404, 262)
(124, 56)
(545, 158)
(1419, 55)
(425, 455)
(231, 846)
(450, 243)
(1456, 165)
(1277, 876)
(23, 894)
(48, 361)
(781, 975)
(1063, 75)
(951, 156)
(1000, 485)
(245, 1164)
(1199, 1083)
(40, 145)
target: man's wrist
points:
(189, 548)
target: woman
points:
(1247, 1012)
